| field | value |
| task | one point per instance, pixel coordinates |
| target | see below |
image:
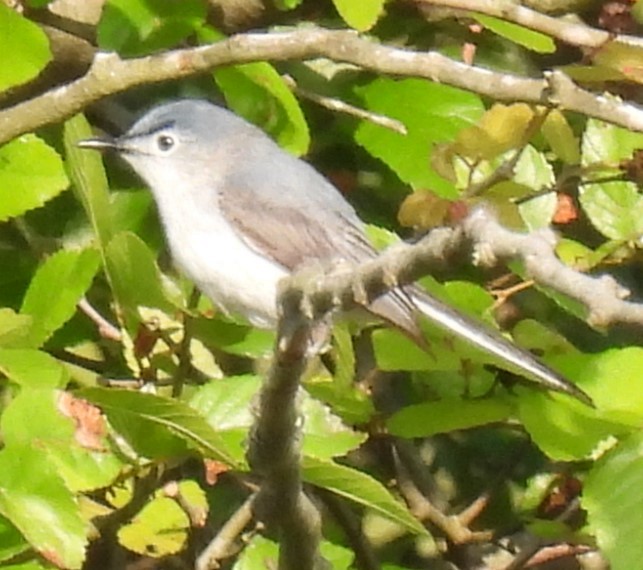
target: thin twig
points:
(340, 106)
(222, 544)
(572, 33)
(105, 328)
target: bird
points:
(240, 213)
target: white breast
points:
(208, 251)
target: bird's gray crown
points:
(190, 120)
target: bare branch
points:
(110, 74)
(274, 449)
(602, 296)
(572, 33)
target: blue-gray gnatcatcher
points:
(240, 213)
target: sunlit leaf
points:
(360, 15)
(432, 113)
(24, 48)
(68, 273)
(362, 489)
(31, 173)
(614, 504)
(32, 491)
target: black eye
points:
(164, 142)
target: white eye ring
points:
(165, 142)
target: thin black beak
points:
(102, 143)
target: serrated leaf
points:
(135, 278)
(157, 426)
(614, 503)
(35, 417)
(134, 27)
(32, 491)
(614, 208)
(24, 48)
(564, 430)
(535, 41)
(432, 113)
(361, 488)
(615, 382)
(69, 274)
(32, 368)
(430, 418)
(31, 173)
(360, 15)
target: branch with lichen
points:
(109, 74)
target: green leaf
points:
(432, 113)
(614, 503)
(360, 15)
(614, 208)
(31, 173)
(430, 418)
(69, 274)
(159, 529)
(233, 338)
(362, 489)
(227, 405)
(32, 491)
(258, 93)
(287, 4)
(394, 351)
(615, 382)
(259, 553)
(135, 27)
(35, 417)
(24, 48)
(158, 427)
(89, 182)
(520, 35)
(32, 368)
(136, 279)
(325, 436)
(12, 543)
(14, 329)
(560, 137)
(565, 430)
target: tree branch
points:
(109, 74)
(571, 33)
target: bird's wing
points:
(282, 232)
(285, 235)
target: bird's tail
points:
(509, 356)
(400, 308)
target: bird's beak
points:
(99, 143)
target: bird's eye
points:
(165, 142)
